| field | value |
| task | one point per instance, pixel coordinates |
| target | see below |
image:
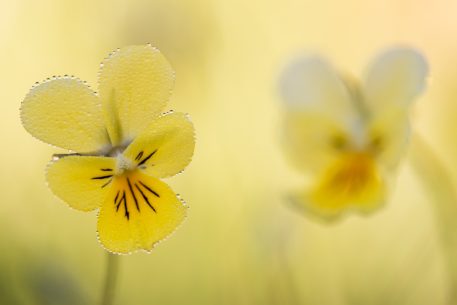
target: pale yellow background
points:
(240, 244)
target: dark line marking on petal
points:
(145, 198)
(147, 158)
(133, 194)
(125, 207)
(101, 177)
(138, 157)
(109, 181)
(117, 196)
(120, 201)
(107, 169)
(149, 189)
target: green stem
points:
(439, 186)
(289, 281)
(112, 267)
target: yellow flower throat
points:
(129, 189)
(352, 179)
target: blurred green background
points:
(240, 244)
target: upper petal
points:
(139, 212)
(166, 147)
(311, 84)
(80, 181)
(65, 112)
(135, 84)
(395, 78)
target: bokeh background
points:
(240, 244)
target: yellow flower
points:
(349, 136)
(124, 146)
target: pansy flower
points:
(122, 144)
(348, 136)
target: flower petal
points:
(135, 84)
(139, 212)
(351, 183)
(166, 147)
(388, 134)
(313, 140)
(82, 182)
(65, 112)
(395, 77)
(311, 84)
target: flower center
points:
(124, 164)
(352, 173)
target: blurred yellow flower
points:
(349, 136)
(123, 143)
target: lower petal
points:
(139, 212)
(351, 183)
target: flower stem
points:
(112, 266)
(438, 184)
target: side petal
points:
(82, 182)
(313, 140)
(395, 77)
(350, 184)
(166, 147)
(388, 134)
(135, 84)
(65, 112)
(139, 212)
(311, 84)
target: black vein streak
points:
(133, 194)
(120, 201)
(138, 157)
(107, 169)
(117, 196)
(109, 181)
(145, 198)
(147, 158)
(125, 207)
(101, 177)
(149, 189)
